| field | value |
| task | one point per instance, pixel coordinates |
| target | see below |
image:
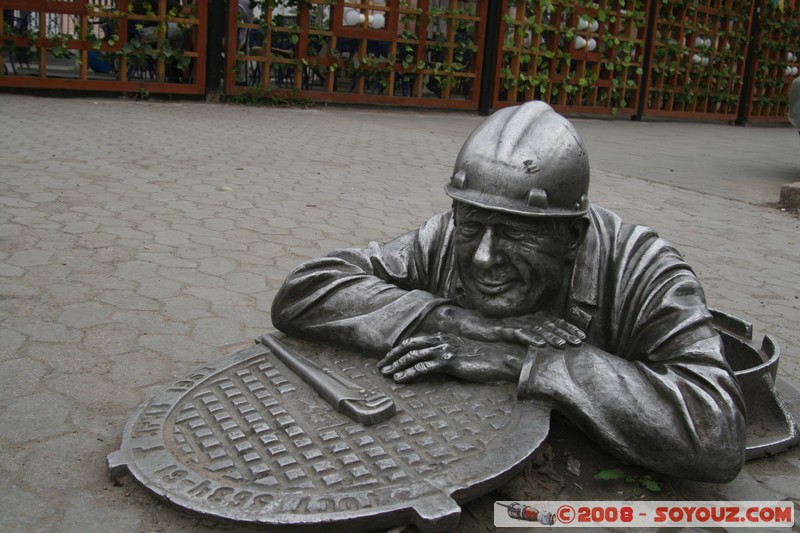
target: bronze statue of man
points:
(526, 281)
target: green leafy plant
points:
(58, 45)
(780, 27)
(698, 59)
(638, 482)
(542, 57)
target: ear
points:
(577, 232)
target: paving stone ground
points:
(139, 240)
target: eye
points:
(469, 229)
(515, 234)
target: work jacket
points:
(650, 382)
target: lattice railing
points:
(698, 58)
(104, 45)
(689, 59)
(423, 52)
(579, 56)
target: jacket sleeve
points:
(660, 394)
(367, 299)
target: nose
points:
(485, 255)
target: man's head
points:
(520, 187)
(526, 160)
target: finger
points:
(412, 343)
(559, 332)
(573, 334)
(548, 334)
(422, 368)
(539, 337)
(410, 359)
(527, 337)
(554, 340)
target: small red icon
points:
(565, 514)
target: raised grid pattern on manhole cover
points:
(247, 425)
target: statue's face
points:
(509, 265)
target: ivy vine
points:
(777, 51)
(573, 52)
(102, 37)
(442, 64)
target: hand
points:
(539, 329)
(468, 359)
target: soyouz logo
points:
(644, 514)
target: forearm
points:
(331, 300)
(680, 417)
(444, 318)
(536, 329)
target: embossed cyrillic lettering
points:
(240, 498)
(172, 473)
(220, 494)
(261, 501)
(200, 489)
(302, 505)
(189, 381)
(149, 422)
(348, 504)
(140, 452)
(323, 505)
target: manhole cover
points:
(246, 439)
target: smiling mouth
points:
(493, 287)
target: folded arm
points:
(367, 299)
(371, 299)
(665, 398)
(683, 418)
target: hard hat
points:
(526, 160)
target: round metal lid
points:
(246, 439)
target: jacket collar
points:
(585, 286)
(584, 292)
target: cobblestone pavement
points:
(139, 240)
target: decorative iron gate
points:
(104, 45)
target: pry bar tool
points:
(367, 407)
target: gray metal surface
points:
(771, 428)
(364, 406)
(247, 439)
(524, 281)
(526, 160)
